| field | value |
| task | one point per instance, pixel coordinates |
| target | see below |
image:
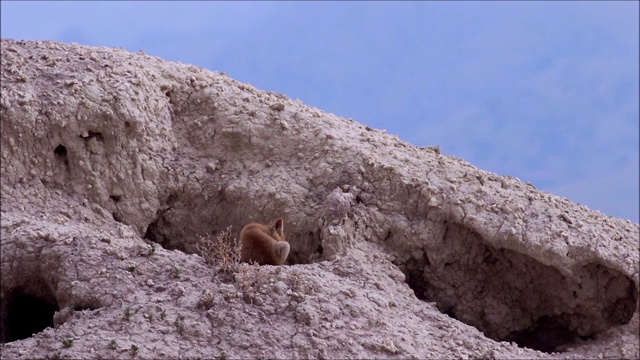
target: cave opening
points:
(509, 296)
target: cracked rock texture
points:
(113, 163)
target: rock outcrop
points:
(113, 163)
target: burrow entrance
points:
(31, 307)
(512, 297)
(25, 314)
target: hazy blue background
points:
(544, 91)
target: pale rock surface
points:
(113, 163)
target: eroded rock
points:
(113, 163)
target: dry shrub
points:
(223, 251)
(252, 278)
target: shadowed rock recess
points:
(114, 163)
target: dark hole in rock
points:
(547, 334)
(169, 94)
(512, 297)
(306, 246)
(156, 234)
(116, 217)
(415, 280)
(150, 234)
(159, 229)
(25, 315)
(61, 153)
(60, 150)
(115, 198)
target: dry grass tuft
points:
(223, 251)
(297, 282)
(252, 278)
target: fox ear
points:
(279, 226)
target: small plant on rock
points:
(127, 314)
(175, 272)
(67, 343)
(180, 327)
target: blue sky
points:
(544, 91)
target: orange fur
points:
(264, 244)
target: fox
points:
(264, 244)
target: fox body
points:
(264, 244)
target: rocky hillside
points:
(115, 164)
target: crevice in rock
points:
(512, 297)
(25, 314)
(117, 217)
(85, 308)
(319, 250)
(93, 134)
